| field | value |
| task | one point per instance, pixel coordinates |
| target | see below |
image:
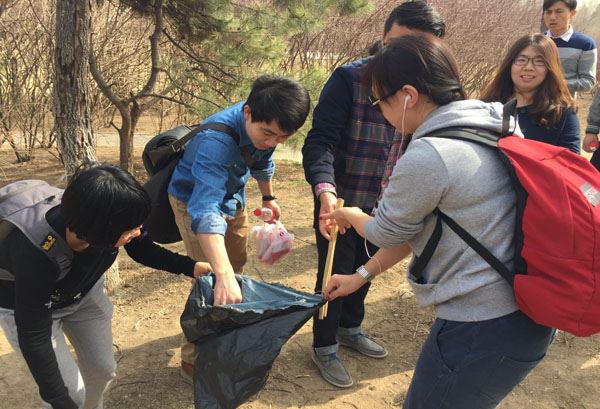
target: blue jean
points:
(474, 365)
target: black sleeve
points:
(35, 279)
(330, 119)
(144, 251)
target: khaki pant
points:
(236, 239)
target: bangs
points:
(102, 203)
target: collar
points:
(566, 36)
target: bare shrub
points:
(26, 71)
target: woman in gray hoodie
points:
(480, 345)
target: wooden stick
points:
(329, 260)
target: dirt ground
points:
(147, 334)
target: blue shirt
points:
(211, 176)
(565, 134)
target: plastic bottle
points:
(265, 214)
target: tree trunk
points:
(130, 108)
(76, 142)
(126, 141)
(112, 282)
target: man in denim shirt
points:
(207, 187)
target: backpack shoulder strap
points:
(215, 126)
(471, 134)
(23, 205)
(420, 262)
(480, 135)
(509, 109)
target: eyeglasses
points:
(523, 60)
(376, 101)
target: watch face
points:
(364, 273)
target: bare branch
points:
(104, 87)
(154, 51)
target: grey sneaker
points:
(332, 370)
(363, 344)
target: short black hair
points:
(571, 4)
(375, 47)
(281, 99)
(417, 15)
(101, 202)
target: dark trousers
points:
(349, 311)
(474, 365)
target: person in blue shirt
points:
(206, 191)
(531, 73)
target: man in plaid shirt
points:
(345, 155)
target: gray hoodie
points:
(593, 119)
(468, 183)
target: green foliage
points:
(313, 79)
(238, 41)
(218, 47)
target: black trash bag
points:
(237, 343)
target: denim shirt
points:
(211, 175)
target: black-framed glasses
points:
(523, 60)
(376, 101)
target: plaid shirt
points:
(398, 148)
(349, 142)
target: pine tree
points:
(208, 52)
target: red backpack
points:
(556, 280)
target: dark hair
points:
(571, 4)
(280, 99)
(375, 47)
(417, 15)
(551, 98)
(420, 60)
(101, 202)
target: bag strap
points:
(480, 135)
(215, 126)
(477, 135)
(423, 259)
(509, 109)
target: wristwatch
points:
(268, 198)
(364, 273)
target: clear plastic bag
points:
(273, 241)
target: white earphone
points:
(406, 99)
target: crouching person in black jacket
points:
(53, 287)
